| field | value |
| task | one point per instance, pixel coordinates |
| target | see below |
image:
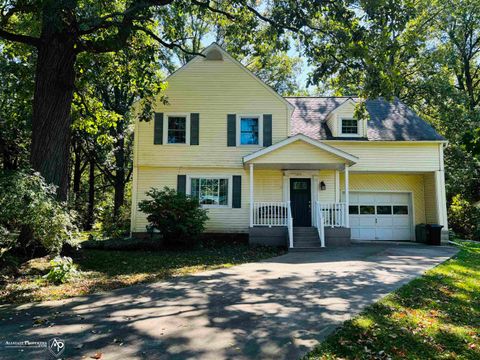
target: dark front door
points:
(300, 198)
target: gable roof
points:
(388, 121)
(300, 137)
(215, 46)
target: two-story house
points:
(299, 171)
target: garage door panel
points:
(354, 221)
(401, 234)
(366, 234)
(383, 199)
(365, 198)
(400, 199)
(366, 221)
(401, 221)
(383, 233)
(390, 220)
(386, 221)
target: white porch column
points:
(347, 198)
(441, 199)
(251, 195)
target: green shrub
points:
(177, 216)
(464, 218)
(62, 269)
(115, 227)
(28, 204)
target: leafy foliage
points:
(62, 269)
(115, 225)
(177, 216)
(464, 218)
(27, 203)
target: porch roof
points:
(300, 152)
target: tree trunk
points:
(119, 171)
(54, 86)
(91, 196)
(77, 171)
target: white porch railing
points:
(319, 221)
(334, 214)
(290, 225)
(270, 213)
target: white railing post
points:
(290, 225)
(347, 197)
(320, 224)
(251, 195)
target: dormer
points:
(343, 122)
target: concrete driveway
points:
(277, 309)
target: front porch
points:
(294, 195)
(305, 195)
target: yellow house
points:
(298, 171)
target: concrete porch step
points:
(301, 230)
(307, 244)
(306, 249)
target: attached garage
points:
(381, 216)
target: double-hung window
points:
(210, 191)
(177, 130)
(249, 130)
(349, 126)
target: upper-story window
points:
(177, 130)
(249, 131)
(349, 126)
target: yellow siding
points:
(221, 219)
(299, 152)
(267, 185)
(327, 195)
(391, 182)
(392, 156)
(431, 212)
(213, 89)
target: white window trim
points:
(230, 188)
(359, 126)
(260, 129)
(165, 129)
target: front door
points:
(300, 199)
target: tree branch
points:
(29, 40)
(171, 45)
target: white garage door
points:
(380, 216)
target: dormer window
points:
(349, 126)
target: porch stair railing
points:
(290, 225)
(320, 223)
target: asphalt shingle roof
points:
(389, 121)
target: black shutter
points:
(267, 129)
(237, 192)
(182, 184)
(231, 130)
(194, 128)
(158, 129)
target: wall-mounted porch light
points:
(322, 186)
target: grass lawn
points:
(108, 269)
(434, 317)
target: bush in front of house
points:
(464, 218)
(178, 217)
(31, 217)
